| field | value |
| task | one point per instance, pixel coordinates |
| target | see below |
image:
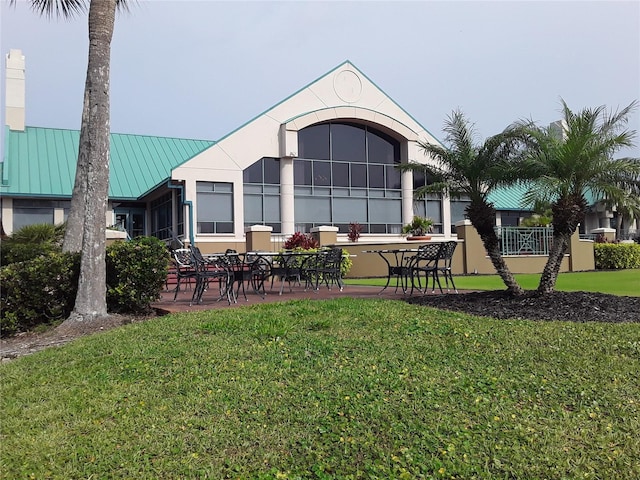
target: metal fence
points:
(525, 240)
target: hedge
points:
(617, 256)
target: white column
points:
(407, 196)
(446, 216)
(287, 214)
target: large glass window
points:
(30, 212)
(345, 172)
(429, 206)
(215, 207)
(262, 193)
(458, 208)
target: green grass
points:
(615, 282)
(345, 388)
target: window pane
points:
(302, 172)
(434, 210)
(205, 227)
(253, 174)
(272, 208)
(358, 175)
(349, 209)
(204, 186)
(272, 171)
(340, 174)
(322, 173)
(215, 204)
(384, 210)
(255, 189)
(224, 227)
(29, 216)
(348, 142)
(418, 179)
(313, 142)
(376, 176)
(393, 177)
(252, 209)
(223, 187)
(382, 148)
(457, 210)
(313, 210)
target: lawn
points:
(345, 388)
(615, 282)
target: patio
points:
(167, 305)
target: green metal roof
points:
(42, 162)
(508, 198)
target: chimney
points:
(15, 94)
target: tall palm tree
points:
(86, 223)
(573, 158)
(463, 169)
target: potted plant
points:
(418, 228)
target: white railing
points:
(525, 240)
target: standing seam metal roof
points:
(42, 162)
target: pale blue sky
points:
(200, 69)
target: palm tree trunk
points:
(94, 157)
(483, 218)
(552, 267)
(74, 225)
(568, 212)
(492, 246)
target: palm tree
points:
(573, 158)
(86, 223)
(466, 170)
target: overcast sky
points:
(200, 69)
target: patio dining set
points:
(230, 274)
(410, 266)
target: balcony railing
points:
(525, 240)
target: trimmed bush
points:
(136, 274)
(38, 291)
(616, 256)
(43, 290)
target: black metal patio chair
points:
(425, 262)
(444, 266)
(215, 269)
(184, 267)
(323, 268)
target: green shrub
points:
(136, 274)
(615, 256)
(30, 242)
(37, 291)
(43, 290)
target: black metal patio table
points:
(396, 266)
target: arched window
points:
(345, 172)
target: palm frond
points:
(58, 8)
